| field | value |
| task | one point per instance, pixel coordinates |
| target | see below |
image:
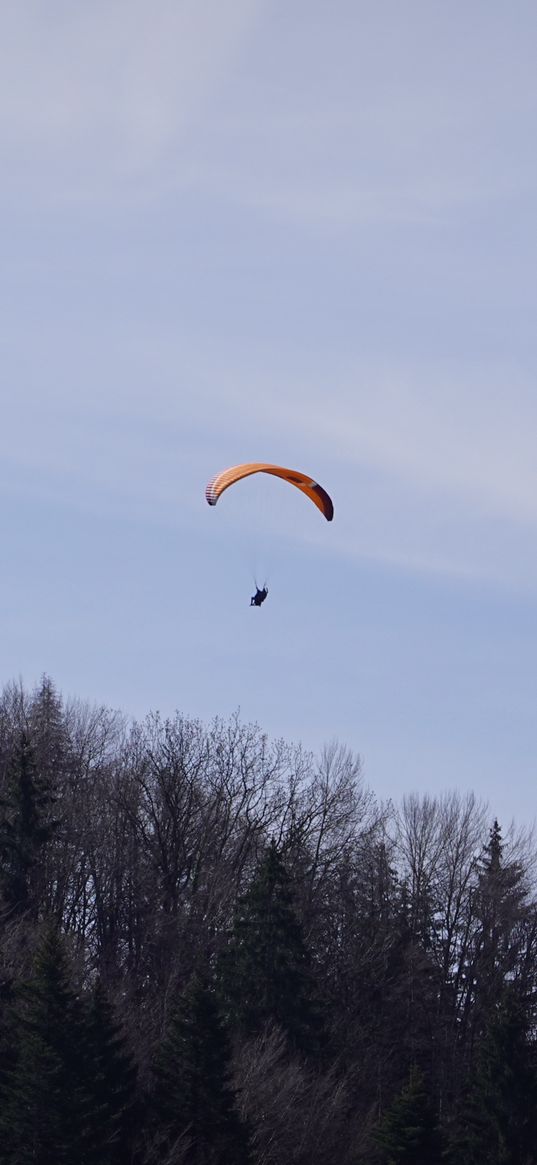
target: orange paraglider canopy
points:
(309, 487)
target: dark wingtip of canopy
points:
(328, 505)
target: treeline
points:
(216, 949)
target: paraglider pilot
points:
(259, 596)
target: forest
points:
(219, 949)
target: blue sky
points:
(304, 233)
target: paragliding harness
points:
(259, 597)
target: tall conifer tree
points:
(26, 826)
(498, 1122)
(501, 906)
(194, 1103)
(47, 1110)
(408, 1134)
(110, 1079)
(266, 970)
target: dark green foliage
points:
(498, 1123)
(48, 732)
(47, 1111)
(110, 1081)
(266, 971)
(408, 1134)
(69, 1088)
(26, 827)
(381, 988)
(9, 1039)
(193, 1101)
(500, 906)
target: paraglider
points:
(309, 487)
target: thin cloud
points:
(456, 434)
(422, 117)
(108, 91)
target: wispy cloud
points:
(95, 94)
(466, 432)
(333, 119)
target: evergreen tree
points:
(193, 1101)
(500, 904)
(25, 829)
(9, 1037)
(110, 1082)
(498, 1123)
(47, 1110)
(48, 732)
(409, 1134)
(266, 969)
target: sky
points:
(302, 233)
